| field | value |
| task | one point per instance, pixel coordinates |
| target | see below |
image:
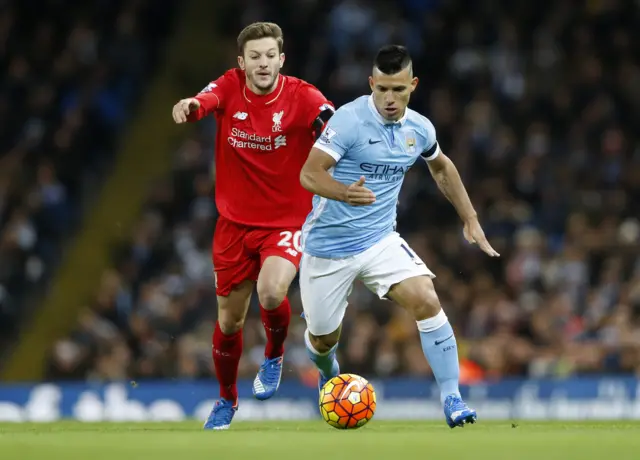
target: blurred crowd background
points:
(72, 73)
(537, 103)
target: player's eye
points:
(399, 89)
(382, 89)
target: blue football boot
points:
(457, 412)
(267, 381)
(221, 415)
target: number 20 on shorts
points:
(287, 238)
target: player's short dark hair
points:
(259, 30)
(391, 59)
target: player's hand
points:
(183, 108)
(358, 195)
(474, 234)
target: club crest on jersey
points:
(277, 121)
(411, 144)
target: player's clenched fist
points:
(358, 195)
(183, 108)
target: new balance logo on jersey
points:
(241, 115)
(280, 141)
(277, 121)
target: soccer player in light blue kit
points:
(350, 233)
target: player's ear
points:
(241, 62)
(371, 82)
(281, 60)
(414, 83)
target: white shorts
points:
(325, 284)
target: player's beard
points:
(264, 83)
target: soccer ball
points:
(347, 401)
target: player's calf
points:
(275, 277)
(276, 326)
(418, 296)
(273, 282)
(227, 344)
(322, 351)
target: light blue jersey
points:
(363, 143)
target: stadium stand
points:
(72, 75)
(546, 142)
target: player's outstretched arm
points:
(450, 184)
(207, 101)
(315, 177)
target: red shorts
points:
(240, 250)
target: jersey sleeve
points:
(431, 148)
(339, 134)
(211, 98)
(318, 109)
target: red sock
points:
(276, 325)
(226, 352)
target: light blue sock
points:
(440, 349)
(326, 363)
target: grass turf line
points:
(315, 440)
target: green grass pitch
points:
(316, 440)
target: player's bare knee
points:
(275, 277)
(271, 295)
(231, 320)
(427, 304)
(420, 299)
(324, 343)
(232, 308)
(230, 326)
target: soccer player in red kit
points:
(267, 123)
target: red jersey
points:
(262, 142)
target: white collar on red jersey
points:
(381, 119)
(278, 91)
